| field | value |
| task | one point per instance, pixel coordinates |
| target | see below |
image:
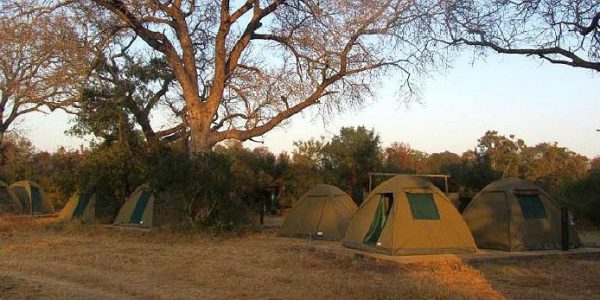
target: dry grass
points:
(75, 261)
(590, 238)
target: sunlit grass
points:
(68, 260)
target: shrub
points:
(583, 197)
(210, 194)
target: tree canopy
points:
(244, 67)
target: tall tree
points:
(505, 153)
(350, 156)
(42, 56)
(244, 67)
(122, 89)
(401, 158)
(442, 162)
(554, 166)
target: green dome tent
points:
(80, 206)
(32, 198)
(407, 215)
(8, 200)
(514, 214)
(138, 210)
(323, 212)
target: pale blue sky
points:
(514, 95)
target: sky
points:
(538, 102)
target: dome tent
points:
(8, 200)
(32, 198)
(407, 215)
(82, 206)
(514, 214)
(138, 209)
(323, 212)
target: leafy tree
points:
(401, 158)
(122, 90)
(113, 171)
(348, 158)
(305, 170)
(15, 157)
(583, 196)
(504, 152)
(553, 166)
(595, 163)
(474, 174)
(442, 162)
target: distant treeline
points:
(225, 186)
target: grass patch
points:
(73, 260)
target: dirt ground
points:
(94, 262)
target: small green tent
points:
(323, 212)
(9, 203)
(514, 214)
(32, 198)
(407, 215)
(138, 210)
(80, 206)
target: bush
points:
(210, 194)
(583, 197)
(113, 173)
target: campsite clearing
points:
(94, 262)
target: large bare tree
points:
(42, 58)
(565, 32)
(244, 67)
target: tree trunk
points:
(200, 133)
(200, 141)
(2, 158)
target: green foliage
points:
(548, 164)
(552, 166)
(583, 197)
(504, 153)
(304, 170)
(123, 90)
(112, 171)
(212, 196)
(16, 155)
(401, 158)
(471, 174)
(222, 189)
(348, 158)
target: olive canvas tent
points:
(32, 198)
(514, 214)
(81, 206)
(323, 212)
(407, 215)
(138, 210)
(8, 200)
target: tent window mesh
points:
(423, 206)
(531, 206)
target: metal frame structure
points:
(371, 174)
